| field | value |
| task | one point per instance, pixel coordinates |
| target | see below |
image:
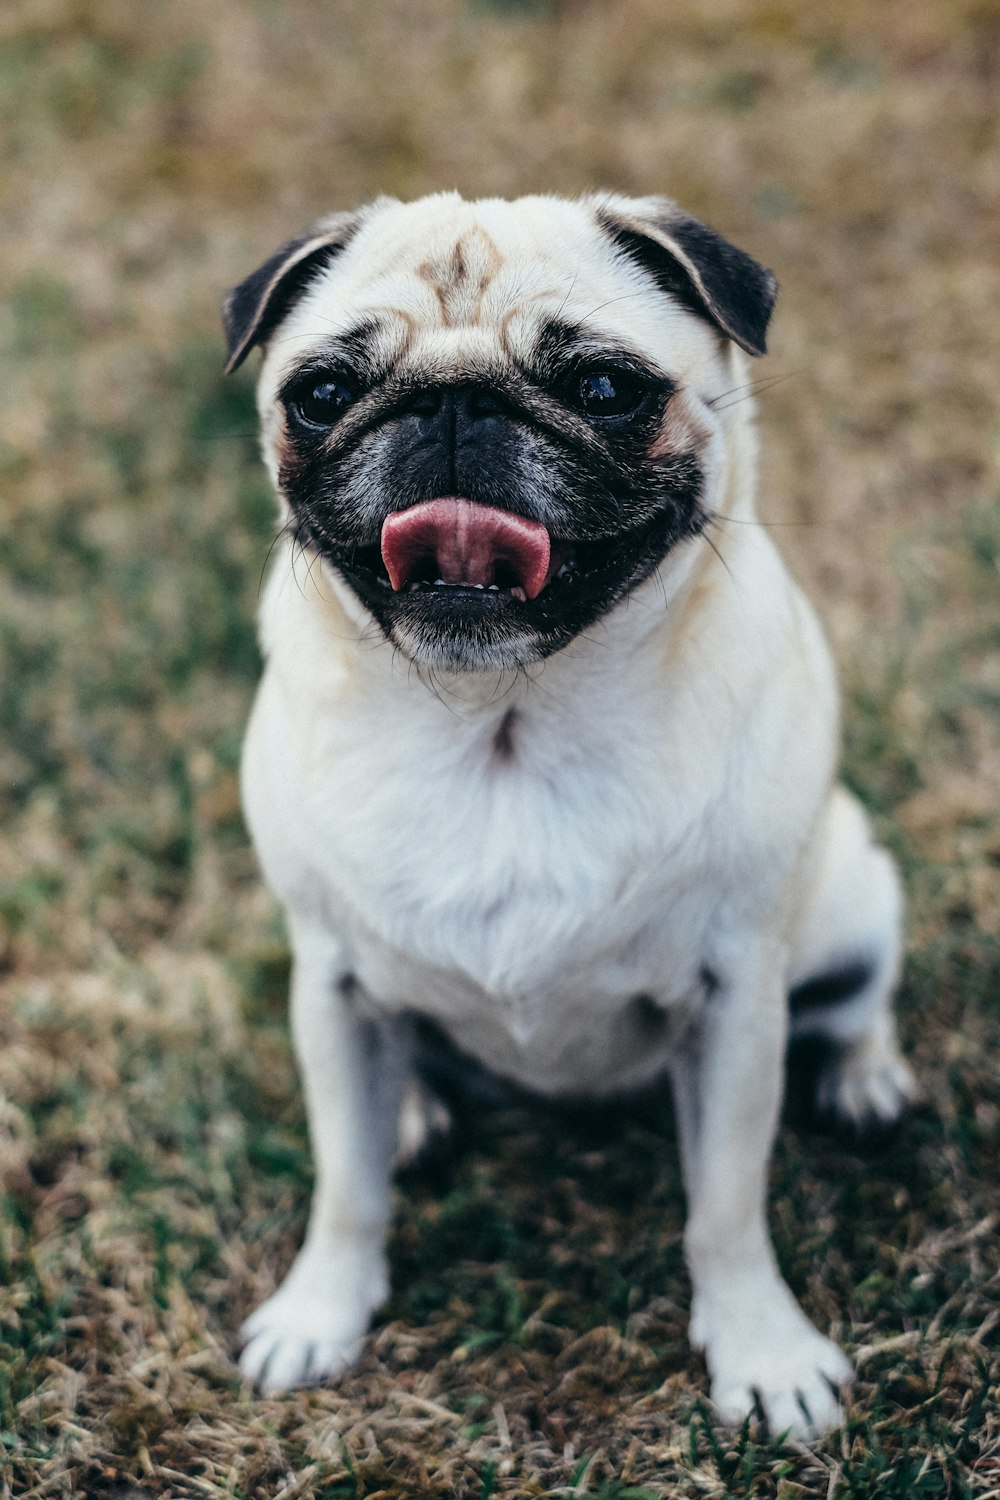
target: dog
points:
(543, 756)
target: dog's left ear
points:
(695, 264)
(254, 309)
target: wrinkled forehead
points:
(442, 282)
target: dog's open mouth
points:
(456, 543)
(463, 553)
(471, 583)
(460, 549)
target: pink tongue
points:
(465, 542)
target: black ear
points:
(694, 264)
(254, 309)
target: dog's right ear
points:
(254, 309)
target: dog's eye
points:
(320, 400)
(607, 392)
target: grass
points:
(152, 1140)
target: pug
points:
(543, 756)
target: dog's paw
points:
(311, 1329)
(865, 1090)
(776, 1368)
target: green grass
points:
(152, 1141)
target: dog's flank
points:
(538, 766)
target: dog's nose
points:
(453, 413)
(453, 438)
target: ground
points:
(153, 1147)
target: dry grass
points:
(151, 1139)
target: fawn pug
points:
(544, 750)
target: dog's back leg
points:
(845, 1066)
(424, 1119)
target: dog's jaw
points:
(568, 530)
(463, 626)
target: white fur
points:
(666, 827)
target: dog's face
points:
(493, 420)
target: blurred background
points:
(152, 1144)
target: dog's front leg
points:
(761, 1350)
(353, 1072)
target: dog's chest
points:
(535, 890)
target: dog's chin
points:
(455, 634)
(458, 627)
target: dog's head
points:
(493, 420)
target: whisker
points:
(705, 536)
(752, 388)
(718, 516)
(440, 691)
(290, 338)
(297, 551)
(285, 530)
(576, 277)
(663, 588)
(535, 684)
(625, 297)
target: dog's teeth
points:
(442, 583)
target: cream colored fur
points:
(668, 827)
